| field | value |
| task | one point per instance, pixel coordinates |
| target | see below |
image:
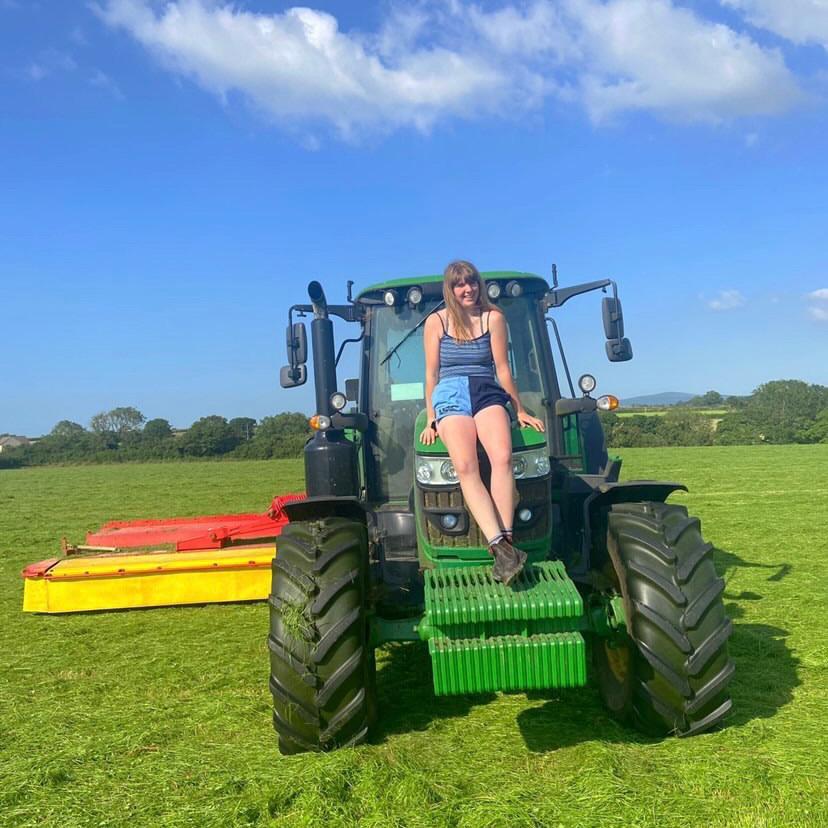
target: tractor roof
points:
(488, 275)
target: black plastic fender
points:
(608, 494)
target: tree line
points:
(782, 411)
(124, 434)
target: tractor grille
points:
(534, 493)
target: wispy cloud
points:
(725, 300)
(818, 309)
(431, 60)
(800, 21)
(100, 80)
(50, 62)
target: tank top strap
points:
(485, 320)
(442, 324)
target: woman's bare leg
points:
(495, 434)
(459, 433)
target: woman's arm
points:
(431, 343)
(500, 339)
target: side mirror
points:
(290, 376)
(352, 390)
(619, 350)
(297, 344)
(613, 317)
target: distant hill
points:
(664, 398)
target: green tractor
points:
(618, 583)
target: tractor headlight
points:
(414, 296)
(448, 471)
(338, 401)
(493, 290)
(607, 402)
(390, 298)
(525, 515)
(449, 521)
(514, 289)
(587, 383)
(424, 471)
(530, 463)
(435, 471)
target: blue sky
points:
(173, 174)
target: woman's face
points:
(466, 292)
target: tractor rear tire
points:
(322, 669)
(670, 673)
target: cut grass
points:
(162, 717)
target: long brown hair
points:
(456, 272)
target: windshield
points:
(397, 386)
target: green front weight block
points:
(484, 636)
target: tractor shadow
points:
(405, 696)
(763, 683)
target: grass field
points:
(162, 717)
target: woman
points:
(465, 347)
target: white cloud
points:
(818, 314)
(726, 300)
(821, 293)
(433, 60)
(800, 21)
(653, 55)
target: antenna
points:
(554, 275)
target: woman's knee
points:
(466, 467)
(501, 459)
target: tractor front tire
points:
(322, 669)
(670, 672)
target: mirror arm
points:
(557, 297)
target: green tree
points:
(283, 435)
(157, 429)
(67, 429)
(784, 410)
(208, 436)
(243, 427)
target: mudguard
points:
(608, 494)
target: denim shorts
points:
(466, 396)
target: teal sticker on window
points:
(407, 391)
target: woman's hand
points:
(527, 420)
(428, 435)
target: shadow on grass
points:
(765, 677)
(405, 695)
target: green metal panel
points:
(484, 636)
(508, 663)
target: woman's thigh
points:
(459, 433)
(495, 432)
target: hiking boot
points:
(508, 562)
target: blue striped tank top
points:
(466, 359)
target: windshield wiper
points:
(411, 333)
